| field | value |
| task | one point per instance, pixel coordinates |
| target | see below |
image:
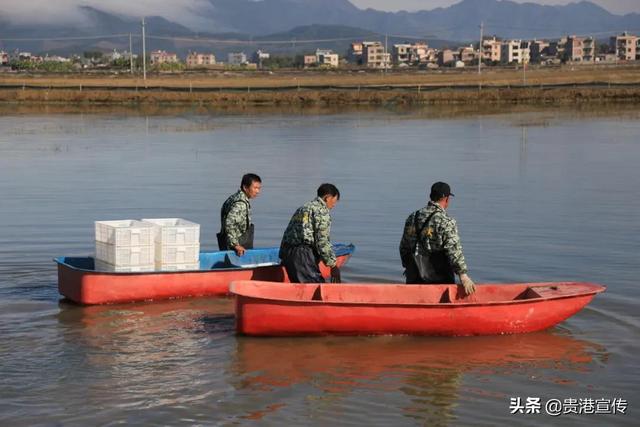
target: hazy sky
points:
(613, 6)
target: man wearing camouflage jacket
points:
(306, 240)
(431, 235)
(235, 216)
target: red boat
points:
(81, 282)
(267, 309)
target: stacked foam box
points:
(177, 244)
(124, 246)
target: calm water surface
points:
(540, 196)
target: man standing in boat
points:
(235, 216)
(306, 240)
(430, 248)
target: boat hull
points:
(260, 316)
(88, 286)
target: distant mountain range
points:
(257, 21)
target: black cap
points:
(440, 190)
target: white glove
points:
(467, 283)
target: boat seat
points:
(527, 294)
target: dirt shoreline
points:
(564, 86)
(449, 96)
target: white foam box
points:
(125, 256)
(174, 231)
(126, 232)
(110, 268)
(178, 267)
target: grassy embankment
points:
(567, 85)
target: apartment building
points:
(626, 47)
(491, 49)
(374, 55)
(402, 54)
(510, 52)
(467, 54)
(195, 59)
(580, 49)
(163, 57)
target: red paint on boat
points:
(375, 309)
(85, 286)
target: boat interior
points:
(398, 294)
(219, 260)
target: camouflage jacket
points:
(235, 217)
(440, 234)
(311, 225)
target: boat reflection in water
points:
(183, 356)
(427, 370)
(145, 355)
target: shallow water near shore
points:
(541, 195)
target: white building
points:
(237, 58)
(327, 57)
(511, 52)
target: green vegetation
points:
(47, 66)
(169, 67)
(277, 62)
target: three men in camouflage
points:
(235, 216)
(430, 248)
(306, 240)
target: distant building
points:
(195, 59)
(327, 57)
(354, 53)
(237, 58)
(511, 52)
(162, 57)
(309, 60)
(491, 50)
(322, 57)
(374, 55)
(4, 58)
(467, 54)
(609, 58)
(525, 51)
(626, 47)
(589, 49)
(421, 54)
(539, 51)
(446, 57)
(557, 47)
(402, 53)
(259, 57)
(579, 49)
(55, 58)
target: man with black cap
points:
(430, 248)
